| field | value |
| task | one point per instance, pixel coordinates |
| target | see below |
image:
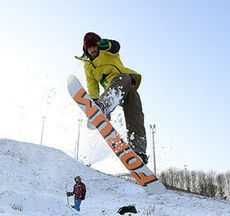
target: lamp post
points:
(43, 123)
(153, 130)
(186, 177)
(78, 139)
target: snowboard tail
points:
(122, 150)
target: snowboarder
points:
(103, 65)
(79, 191)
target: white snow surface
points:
(34, 180)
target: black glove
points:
(69, 194)
(95, 100)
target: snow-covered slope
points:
(34, 180)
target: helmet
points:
(90, 39)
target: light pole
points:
(186, 177)
(43, 123)
(78, 139)
(153, 130)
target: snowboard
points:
(122, 150)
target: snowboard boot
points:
(90, 126)
(103, 109)
(143, 156)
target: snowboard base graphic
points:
(127, 156)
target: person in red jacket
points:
(79, 191)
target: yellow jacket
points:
(103, 69)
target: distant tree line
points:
(209, 184)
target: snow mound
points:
(34, 180)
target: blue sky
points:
(181, 48)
